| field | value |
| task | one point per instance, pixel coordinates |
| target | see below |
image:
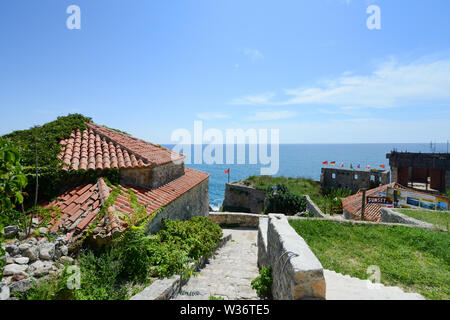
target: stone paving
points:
(229, 273)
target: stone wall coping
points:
(262, 228)
(168, 288)
(293, 242)
(372, 223)
(311, 206)
(391, 216)
(243, 214)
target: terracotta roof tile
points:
(102, 148)
(86, 201)
(353, 203)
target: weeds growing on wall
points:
(263, 283)
(133, 260)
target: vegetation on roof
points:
(415, 259)
(43, 141)
(116, 130)
(46, 139)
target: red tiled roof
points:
(102, 148)
(80, 206)
(353, 203)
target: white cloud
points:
(254, 54)
(277, 115)
(422, 82)
(212, 116)
(254, 99)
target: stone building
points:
(156, 176)
(353, 179)
(241, 198)
(426, 171)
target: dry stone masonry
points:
(296, 271)
(31, 259)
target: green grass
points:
(440, 219)
(299, 186)
(415, 259)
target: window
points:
(333, 175)
(372, 178)
(356, 177)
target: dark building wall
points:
(239, 198)
(352, 179)
(418, 167)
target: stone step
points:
(344, 287)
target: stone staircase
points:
(344, 287)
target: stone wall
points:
(239, 198)
(249, 220)
(391, 216)
(313, 208)
(352, 179)
(263, 257)
(296, 271)
(153, 177)
(168, 288)
(193, 203)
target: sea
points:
(298, 160)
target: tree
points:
(12, 178)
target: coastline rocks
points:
(4, 292)
(22, 260)
(40, 268)
(12, 249)
(32, 252)
(10, 231)
(12, 269)
(29, 259)
(20, 286)
(47, 251)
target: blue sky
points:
(311, 69)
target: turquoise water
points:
(305, 160)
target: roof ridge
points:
(103, 190)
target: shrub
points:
(263, 283)
(133, 258)
(281, 200)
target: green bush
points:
(135, 257)
(281, 200)
(263, 283)
(333, 199)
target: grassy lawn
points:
(440, 219)
(416, 260)
(299, 186)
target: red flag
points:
(227, 171)
(359, 166)
(383, 166)
(342, 165)
(368, 167)
(325, 162)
